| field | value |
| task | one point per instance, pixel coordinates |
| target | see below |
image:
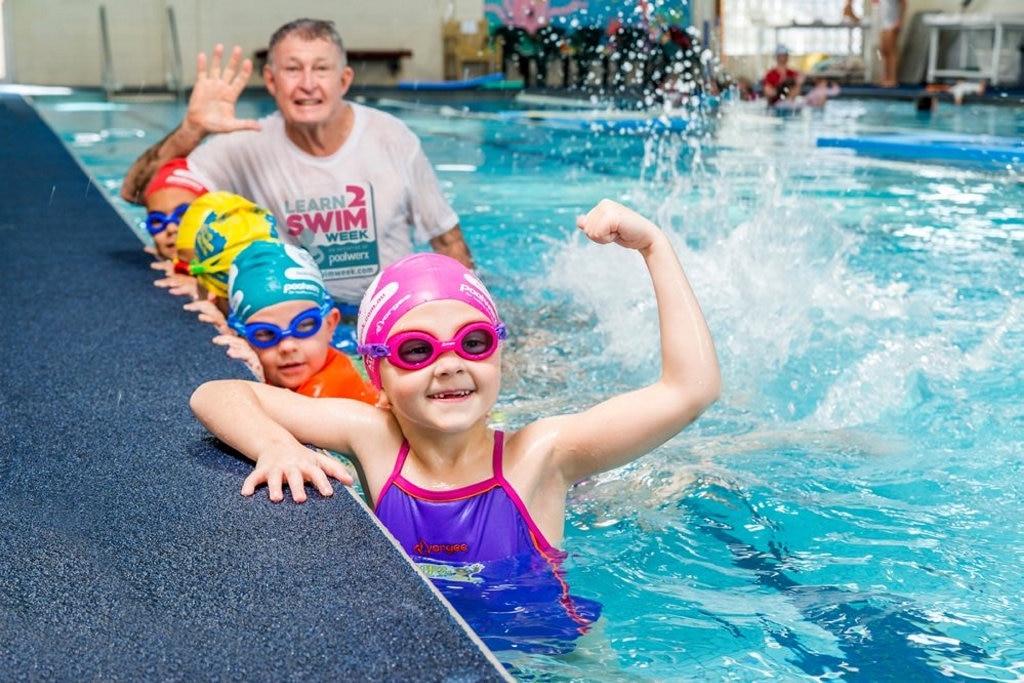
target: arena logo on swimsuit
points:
(341, 218)
(425, 549)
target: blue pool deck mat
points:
(126, 550)
(985, 150)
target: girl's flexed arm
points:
(627, 426)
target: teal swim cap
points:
(267, 273)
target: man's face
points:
(307, 79)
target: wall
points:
(58, 42)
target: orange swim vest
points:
(339, 379)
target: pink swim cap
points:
(407, 283)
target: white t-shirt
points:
(354, 211)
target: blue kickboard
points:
(465, 84)
(956, 147)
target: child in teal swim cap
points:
(282, 314)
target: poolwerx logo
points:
(426, 549)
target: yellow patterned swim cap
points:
(222, 236)
(201, 209)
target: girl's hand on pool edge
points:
(295, 468)
(179, 285)
(209, 313)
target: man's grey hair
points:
(306, 29)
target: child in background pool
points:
(474, 507)
(284, 320)
(221, 237)
(818, 95)
(167, 198)
(959, 89)
(926, 104)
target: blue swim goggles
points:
(157, 221)
(265, 335)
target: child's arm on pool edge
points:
(269, 426)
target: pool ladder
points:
(174, 79)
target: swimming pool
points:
(851, 507)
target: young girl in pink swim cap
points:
(460, 497)
(410, 282)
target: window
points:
(749, 26)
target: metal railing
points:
(109, 82)
(176, 82)
(174, 77)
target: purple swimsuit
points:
(477, 523)
(481, 548)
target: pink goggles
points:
(413, 350)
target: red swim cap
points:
(175, 173)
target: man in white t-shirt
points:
(347, 182)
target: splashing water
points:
(869, 330)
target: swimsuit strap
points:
(499, 476)
(497, 470)
(403, 453)
(496, 462)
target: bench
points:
(392, 58)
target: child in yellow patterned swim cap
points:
(221, 237)
(206, 207)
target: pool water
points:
(851, 508)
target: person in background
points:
(283, 319)
(781, 82)
(959, 90)
(891, 21)
(349, 183)
(818, 95)
(926, 104)
(168, 195)
(849, 16)
(468, 503)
